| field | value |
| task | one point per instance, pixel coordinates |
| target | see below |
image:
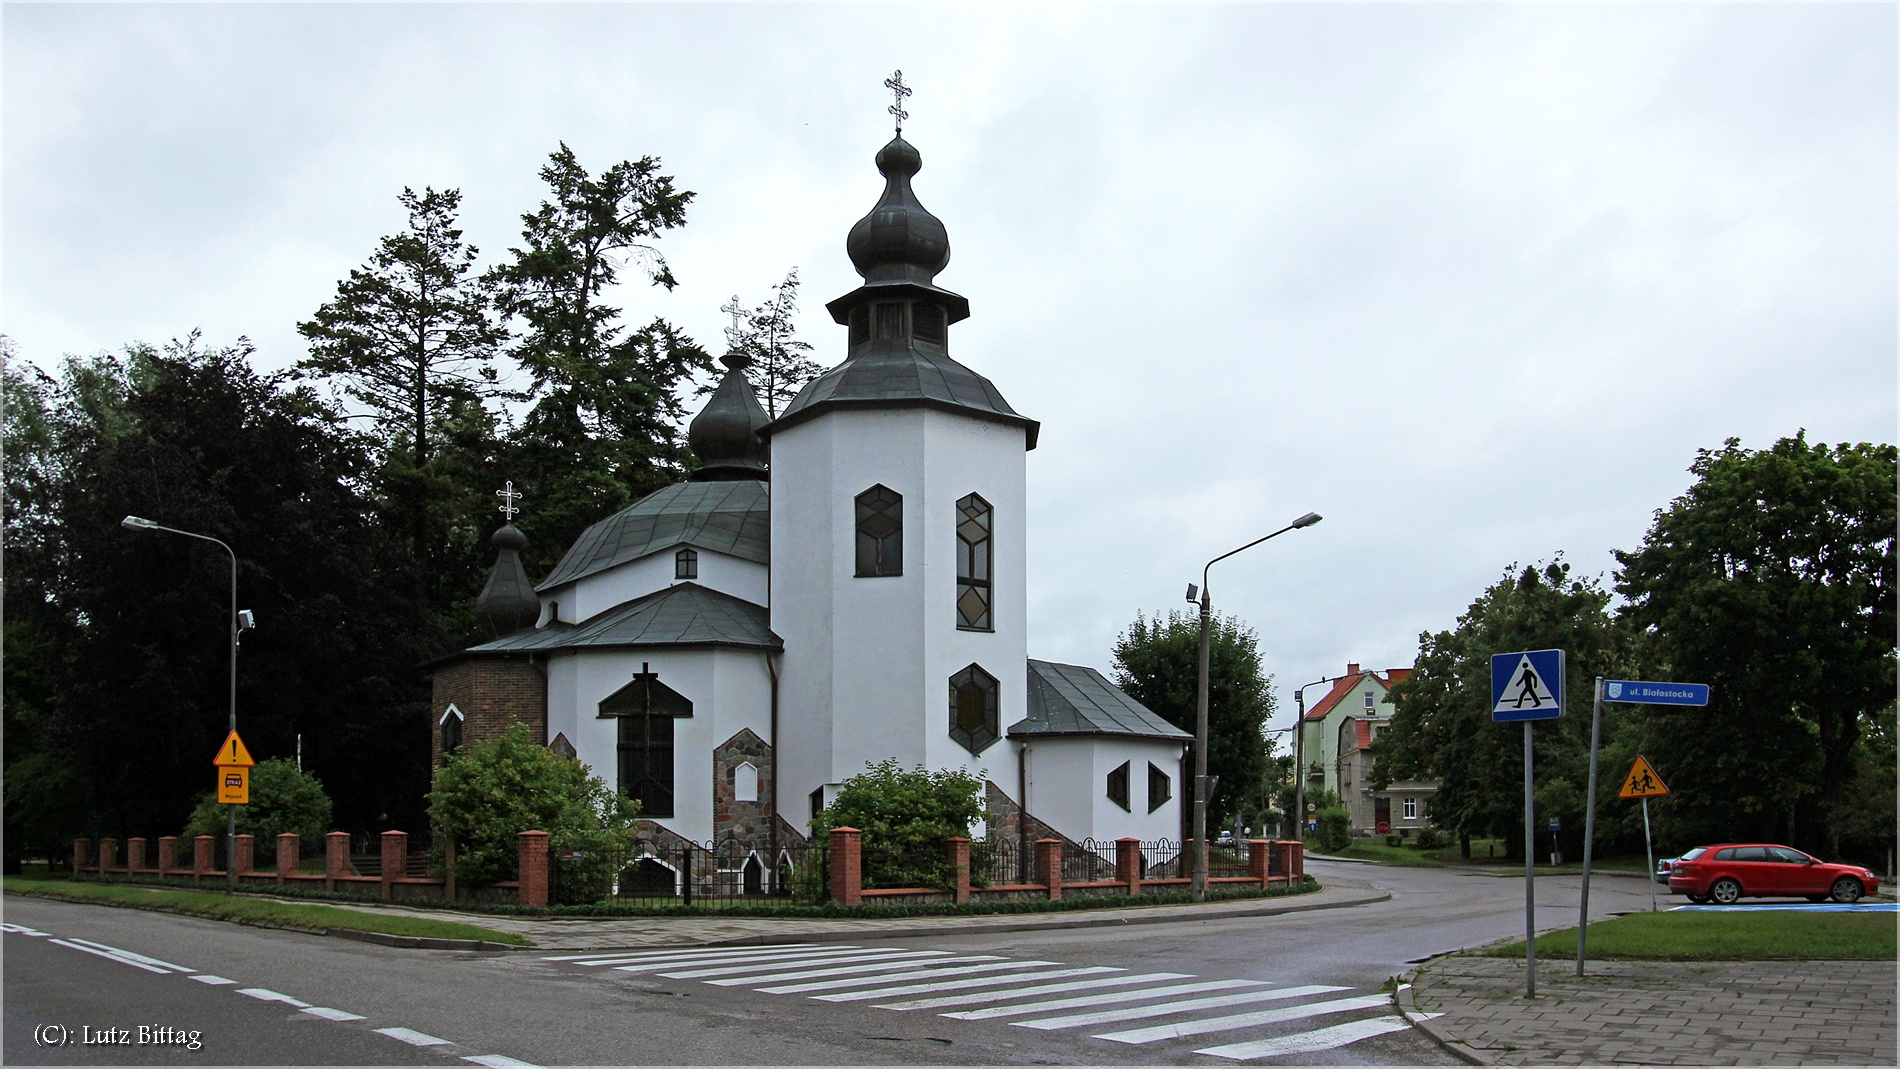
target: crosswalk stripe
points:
(846, 969)
(766, 966)
(1307, 1042)
(1245, 1020)
(960, 985)
(632, 955)
(1103, 999)
(924, 974)
(706, 953)
(770, 960)
(1135, 1013)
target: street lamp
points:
(1299, 759)
(140, 523)
(1200, 708)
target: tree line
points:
(358, 491)
(1772, 580)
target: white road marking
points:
(20, 929)
(636, 955)
(1318, 1039)
(843, 970)
(766, 966)
(1245, 1020)
(1103, 999)
(498, 1060)
(267, 995)
(135, 957)
(412, 1037)
(113, 957)
(673, 957)
(958, 985)
(208, 978)
(923, 974)
(773, 959)
(329, 1014)
(1136, 1013)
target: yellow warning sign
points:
(234, 785)
(1642, 782)
(233, 754)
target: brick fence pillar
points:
(534, 868)
(847, 866)
(289, 855)
(960, 865)
(246, 853)
(134, 855)
(336, 858)
(82, 853)
(201, 848)
(1259, 861)
(167, 854)
(448, 870)
(1049, 865)
(1128, 864)
(395, 860)
(108, 854)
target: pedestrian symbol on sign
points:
(1642, 782)
(1526, 688)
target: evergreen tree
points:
(781, 364)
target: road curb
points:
(1408, 1009)
(408, 942)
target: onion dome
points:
(507, 603)
(725, 434)
(899, 240)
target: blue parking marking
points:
(1803, 907)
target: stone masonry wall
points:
(491, 692)
(732, 818)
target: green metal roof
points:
(1068, 699)
(731, 517)
(903, 378)
(684, 614)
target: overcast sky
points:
(1472, 282)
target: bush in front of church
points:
(494, 790)
(284, 798)
(906, 814)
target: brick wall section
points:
(534, 868)
(733, 819)
(491, 692)
(395, 860)
(960, 865)
(167, 854)
(1049, 865)
(336, 858)
(134, 854)
(847, 866)
(1128, 863)
(1258, 863)
(108, 854)
(202, 847)
(246, 853)
(289, 854)
(82, 853)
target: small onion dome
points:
(507, 603)
(899, 240)
(725, 434)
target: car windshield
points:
(1693, 854)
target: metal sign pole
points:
(1649, 855)
(1530, 875)
(1590, 823)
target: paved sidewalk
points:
(1659, 1013)
(595, 933)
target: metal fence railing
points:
(682, 872)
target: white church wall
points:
(1068, 787)
(596, 593)
(1061, 777)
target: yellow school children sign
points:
(234, 771)
(1642, 782)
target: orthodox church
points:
(838, 586)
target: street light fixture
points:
(140, 523)
(1199, 884)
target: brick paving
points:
(1662, 1013)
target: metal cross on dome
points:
(509, 495)
(895, 83)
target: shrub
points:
(493, 790)
(284, 798)
(1335, 828)
(905, 815)
(1432, 839)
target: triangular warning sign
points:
(1527, 690)
(1642, 782)
(233, 754)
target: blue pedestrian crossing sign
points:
(1528, 685)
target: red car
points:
(1724, 873)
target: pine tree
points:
(781, 363)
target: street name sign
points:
(1640, 693)
(1642, 782)
(1528, 685)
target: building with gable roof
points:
(840, 586)
(1339, 739)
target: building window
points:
(686, 564)
(927, 322)
(973, 712)
(745, 782)
(817, 800)
(1160, 788)
(880, 532)
(888, 321)
(1368, 699)
(1118, 786)
(973, 565)
(451, 724)
(860, 325)
(646, 763)
(1411, 809)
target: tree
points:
(768, 335)
(1157, 662)
(284, 798)
(603, 429)
(1441, 724)
(1772, 579)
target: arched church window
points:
(973, 709)
(1118, 786)
(880, 532)
(686, 564)
(451, 732)
(973, 565)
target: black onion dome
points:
(725, 434)
(508, 602)
(899, 241)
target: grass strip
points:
(1707, 935)
(245, 909)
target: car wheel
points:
(1700, 900)
(1847, 890)
(1725, 891)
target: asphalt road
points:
(1296, 988)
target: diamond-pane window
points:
(880, 532)
(973, 565)
(974, 716)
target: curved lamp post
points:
(1200, 708)
(140, 523)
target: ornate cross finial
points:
(895, 83)
(508, 498)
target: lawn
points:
(1485, 853)
(251, 910)
(1699, 935)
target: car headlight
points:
(1869, 875)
